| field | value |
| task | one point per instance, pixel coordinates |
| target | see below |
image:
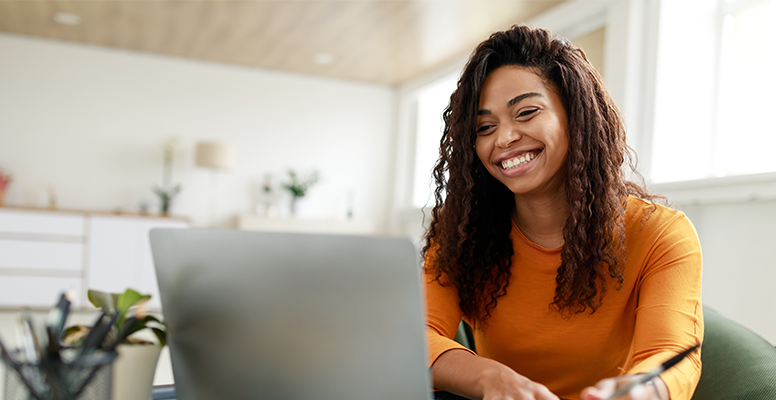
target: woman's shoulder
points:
(649, 217)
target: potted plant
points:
(299, 185)
(167, 191)
(133, 371)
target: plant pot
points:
(133, 371)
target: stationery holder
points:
(60, 380)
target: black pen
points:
(96, 336)
(56, 322)
(643, 378)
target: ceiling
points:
(377, 41)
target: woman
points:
(569, 273)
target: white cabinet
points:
(120, 254)
(41, 256)
(35, 291)
(39, 223)
(44, 253)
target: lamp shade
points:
(217, 155)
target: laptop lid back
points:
(291, 316)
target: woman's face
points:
(522, 131)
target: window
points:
(432, 101)
(713, 98)
(746, 133)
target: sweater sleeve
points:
(669, 316)
(443, 315)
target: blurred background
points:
(193, 113)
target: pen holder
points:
(62, 380)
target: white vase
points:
(133, 371)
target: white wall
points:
(91, 122)
(739, 270)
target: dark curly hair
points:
(468, 241)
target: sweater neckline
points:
(527, 241)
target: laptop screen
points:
(291, 316)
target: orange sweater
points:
(655, 315)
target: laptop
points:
(260, 315)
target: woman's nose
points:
(507, 135)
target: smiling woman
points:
(573, 278)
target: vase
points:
(294, 205)
(2, 195)
(133, 371)
(165, 208)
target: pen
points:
(29, 339)
(56, 321)
(97, 333)
(643, 378)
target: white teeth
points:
(519, 160)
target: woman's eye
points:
(527, 112)
(484, 128)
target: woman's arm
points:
(461, 372)
(668, 316)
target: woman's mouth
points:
(522, 159)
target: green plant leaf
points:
(136, 326)
(156, 326)
(153, 320)
(102, 300)
(161, 336)
(128, 299)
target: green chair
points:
(737, 363)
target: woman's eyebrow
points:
(512, 102)
(522, 97)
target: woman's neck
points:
(541, 218)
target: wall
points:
(90, 122)
(738, 269)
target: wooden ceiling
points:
(378, 41)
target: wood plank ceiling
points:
(377, 41)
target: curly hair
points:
(468, 241)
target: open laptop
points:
(258, 315)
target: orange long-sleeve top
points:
(656, 314)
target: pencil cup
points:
(59, 380)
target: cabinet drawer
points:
(41, 255)
(32, 222)
(33, 291)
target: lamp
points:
(215, 156)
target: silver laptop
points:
(257, 315)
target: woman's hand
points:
(461, 372)
(502, 383)
(654, 389)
